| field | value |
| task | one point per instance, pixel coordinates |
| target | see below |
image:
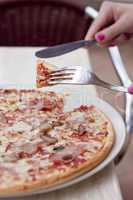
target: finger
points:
(119, 40)
(105, 17)
(113, 31)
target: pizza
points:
(41, 145)
(43, 72)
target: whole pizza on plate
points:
(41, 145)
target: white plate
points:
(80, 95)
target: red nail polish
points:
(130, 89)
(100, 37)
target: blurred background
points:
(49, 22)
(43, 22)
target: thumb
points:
(113, 31)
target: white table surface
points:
(17, 66)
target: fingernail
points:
(100, 37)
(130, 89)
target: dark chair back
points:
(41, 22)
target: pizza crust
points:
(58, 179)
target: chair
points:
(41, 22)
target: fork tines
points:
(65, 69)
(57, 76)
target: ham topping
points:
(48, 140)
(67, 154)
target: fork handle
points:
(104, 84)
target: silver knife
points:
(58, 50)
(125, 79)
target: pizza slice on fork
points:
(43, 72)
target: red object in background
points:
(41, 22)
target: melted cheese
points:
(77, 116)
(20, 127)
(44, 163)
(22, 167)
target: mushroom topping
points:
(48, 140)
(58, 148)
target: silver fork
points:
(79, 76)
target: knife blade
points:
(58, 50)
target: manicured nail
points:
(100, 37)
(130, 89)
